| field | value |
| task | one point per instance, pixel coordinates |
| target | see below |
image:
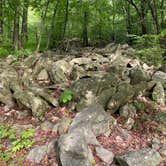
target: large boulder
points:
(73, 150)
(94, 117)
(143, 157)
(74, 146)
(97, 88)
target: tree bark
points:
(85, 29)
(154, 13)
(42, 25)
(1, 20)
(128, 18)
(24, 30)
(162, 14)
(16, 28)
(141, 13)
(52, 25)
(66, 18)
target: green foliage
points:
(135, 126)
(22, 53)
(4, 156)
(24, 140)
(3, 52)
(6, 132)
(66, 96)
(152, 56)
(148, 48)
(140, 106)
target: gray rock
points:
(43, 75)
(163, 150)
(158, 94)
(38, 153)
(57, 75)
(104, 155)
(86, 125)
(127, 111)
(98, 88)
(73, 150)
(129, 123)
(23, 114)
(125, 92)
(64, 125)
(95, 117)
(161, 117)
(47, 126)
(160, 76)
(27, 99)
(144, 157)
(138, 75)
(163, 68)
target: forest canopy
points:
(38, 25)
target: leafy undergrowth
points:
(120, 141)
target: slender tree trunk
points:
(1, 20)
(16, 28)
(162, 14)
(142, 17)
(128, 19)
(141, 13)
(85, 29)
(66, 18)
(153, 9)
(24, 30)
(52, 25)
(42, 25)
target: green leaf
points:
(66, 96)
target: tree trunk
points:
(85, 29)
(16, 28)
(162, 14)
(52, 25)
(142, 17)
(153, 9)
(24, 30)
(141, 13)
(42, 25)
(128, 18)
(1, 20)
(66, 19)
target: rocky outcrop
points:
(105, 82)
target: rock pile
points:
(105, 82)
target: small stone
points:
(127, 111)
(23, 114)
(129, 123)
(47, 126)
(104, 155)
(160, 76)
(43, 75)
